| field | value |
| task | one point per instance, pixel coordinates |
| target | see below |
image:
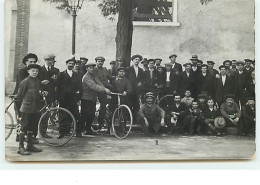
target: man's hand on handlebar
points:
(107, 91)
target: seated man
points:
(151, 115)
(187, 99)
(176, 112)
(248, 113)
(210, 114)
(230, 110)
(194, 120)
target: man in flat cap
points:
(186, 80)
(158, 62)
(145, 64)
(233, 68)
(199, 63)
(248, 66)
(241, 80)
(48, 77)
(223, 86)
(205, 82)
(176, 67)
(91, 87)
(211, 69)
(196, 72)
(136, 77)
(83, 64)
(171, 80)
(228, 63)
(150, 77)
(113, 70)
(105, 78)
(68, 90)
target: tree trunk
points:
(125, 31)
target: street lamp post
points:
(74, 6)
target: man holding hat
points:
(176, 67)
(223, 86)
(29, 98)
(48, 77)
(91, 87)
(136, 77)
(230, 111)
(83, 64)
(69, 89)
(151, 115)
(105, 78)
(241, 79)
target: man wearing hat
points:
(83, 64)
(199, 63)
(233, 68)
(105, 78)
(228, 63)
(30, 58)
(248, 115)
(77, 68)
(211, 69)
(48, 77)
(68, 90)
(145, 64)
(241, 79)
(119, 62)
(176, 67)
(150, 77)
(151, 115)
(223, 86)
(91, 87)
(205, 82)
(230, 111)
(171, 80)
(113, 70)
(158, 62)
(136, 77)
(186, 80)
(248, 67)
(29, 98)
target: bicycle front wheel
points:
(57, 126)
(166, 101)
(122, 121)
(9, 124)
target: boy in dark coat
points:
(29, 96)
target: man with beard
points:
(69, 86)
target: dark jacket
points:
(182, 109)
(221, 91)
(177, 69)
(150, 83)
(134, 80)
(205, 84)
(29, 96)
(67, 84)
(22, 74)
(241, 82)
(208, 114)
(186, 83)
(248, 114)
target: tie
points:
(49, 68)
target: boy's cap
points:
(173, 55)
(158, 59)
(121, 68)
(71, 60)
(136, 56)
(100, 58)
(210, 62)
(36, 66)
(49, 56)
(90, 64)
(144, 61)
(219, 122)
(29, 55)
(149, 94)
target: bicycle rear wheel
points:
(166, 101)
(57, 126)
(95, 127)
(122, 121)
(9, 124)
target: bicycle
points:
(53, 122)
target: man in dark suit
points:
(211, 69)
(196, 71)
(241, 81)
(136, 77)
(171, 80)
(205, 82)
(83, 64)
(186, 80)
(150, 77)
(248, 67)
(176, 67)
(48, 76)
(223, 86)
(68, 88)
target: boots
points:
(30, 147)
(21, 149)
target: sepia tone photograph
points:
(129, 80)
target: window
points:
(156, 13)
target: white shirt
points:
(204, 74)
(223, 79)
(173, 64)
(69, 72)
(151, 72)
(211, 109)
(136, 70)
(47, 67)
(240, 72)
(188, 74)
(168, 73)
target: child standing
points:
(29, 96)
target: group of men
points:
(88, 82)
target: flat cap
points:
(144, 61)
(136, 56)
(83, 58)
(240, 63)
(100, 58)
(186, 64)
(90, 64)
(194, 57)
(204, 65)
(222, 66)
(36, 66)
(158, 59)
(173, 55)
(29, 55)
(121, 68)
(229, 96)
(71, 60)
(227, 61)
(49, 56)
(149, 94)
(210, 62)
(151, 60)
(113, 62)
(248, 60)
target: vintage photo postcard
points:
(95, 80)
